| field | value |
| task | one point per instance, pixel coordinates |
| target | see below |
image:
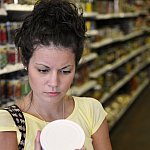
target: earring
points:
(25, 68)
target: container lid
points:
(62, 134)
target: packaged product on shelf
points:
(128, 67)
(119, 52)
(3, 34)
(88, 6)
(139, 5)
(121, 72)
(147, 40)
(81, 75)
(25, 87)
(100, 80)
(9, 1)
(90, 25)
(101, 60)
(93, 65)
(10, 89)
(3, 57)
(143, 75)
(103, 6)
(138, 61)
(146, 56)
(17, 88)
(3, 89)
(11, 27)
(109, 80)
(114, 32)
(123, 99)
(9, 36)
(11, 55)
(95, 92)
(140, 22)
(110, 56)
(86, 50)
(134, 83)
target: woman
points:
(51, 42)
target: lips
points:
(52, 93)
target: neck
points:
(48, 113)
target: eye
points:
(43, 70)
(65, 71)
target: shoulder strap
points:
(19, 120)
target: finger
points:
(37, 141)
(83, 148)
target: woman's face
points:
(51, 71)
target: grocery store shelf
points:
(102, 43)
(108, 41)
(80, 90)
(92, 32)
(88, 58)
(119, 15)
(128, 57)
(133, 98)
(132, 35)
(120, 84)
(97, 73)
(7, 45)
(119, 62)
(18, 7)
(3, 12)
(11, 68)
(90, 14)
(17, 12)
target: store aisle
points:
(133, 131)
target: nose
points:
(53, 79)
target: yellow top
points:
(88, 113)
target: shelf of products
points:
(115, 65)
(108, 41)
(118, 62)
(123, 81)
(80, 90)
(11, 68)
(123, 105)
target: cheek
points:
(34, 80)
(67, 83)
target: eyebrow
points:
(66, 67)
(49, 67)
(42, 65)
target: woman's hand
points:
(37, 141)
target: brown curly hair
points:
(56, 22)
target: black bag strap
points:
(19, 120)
